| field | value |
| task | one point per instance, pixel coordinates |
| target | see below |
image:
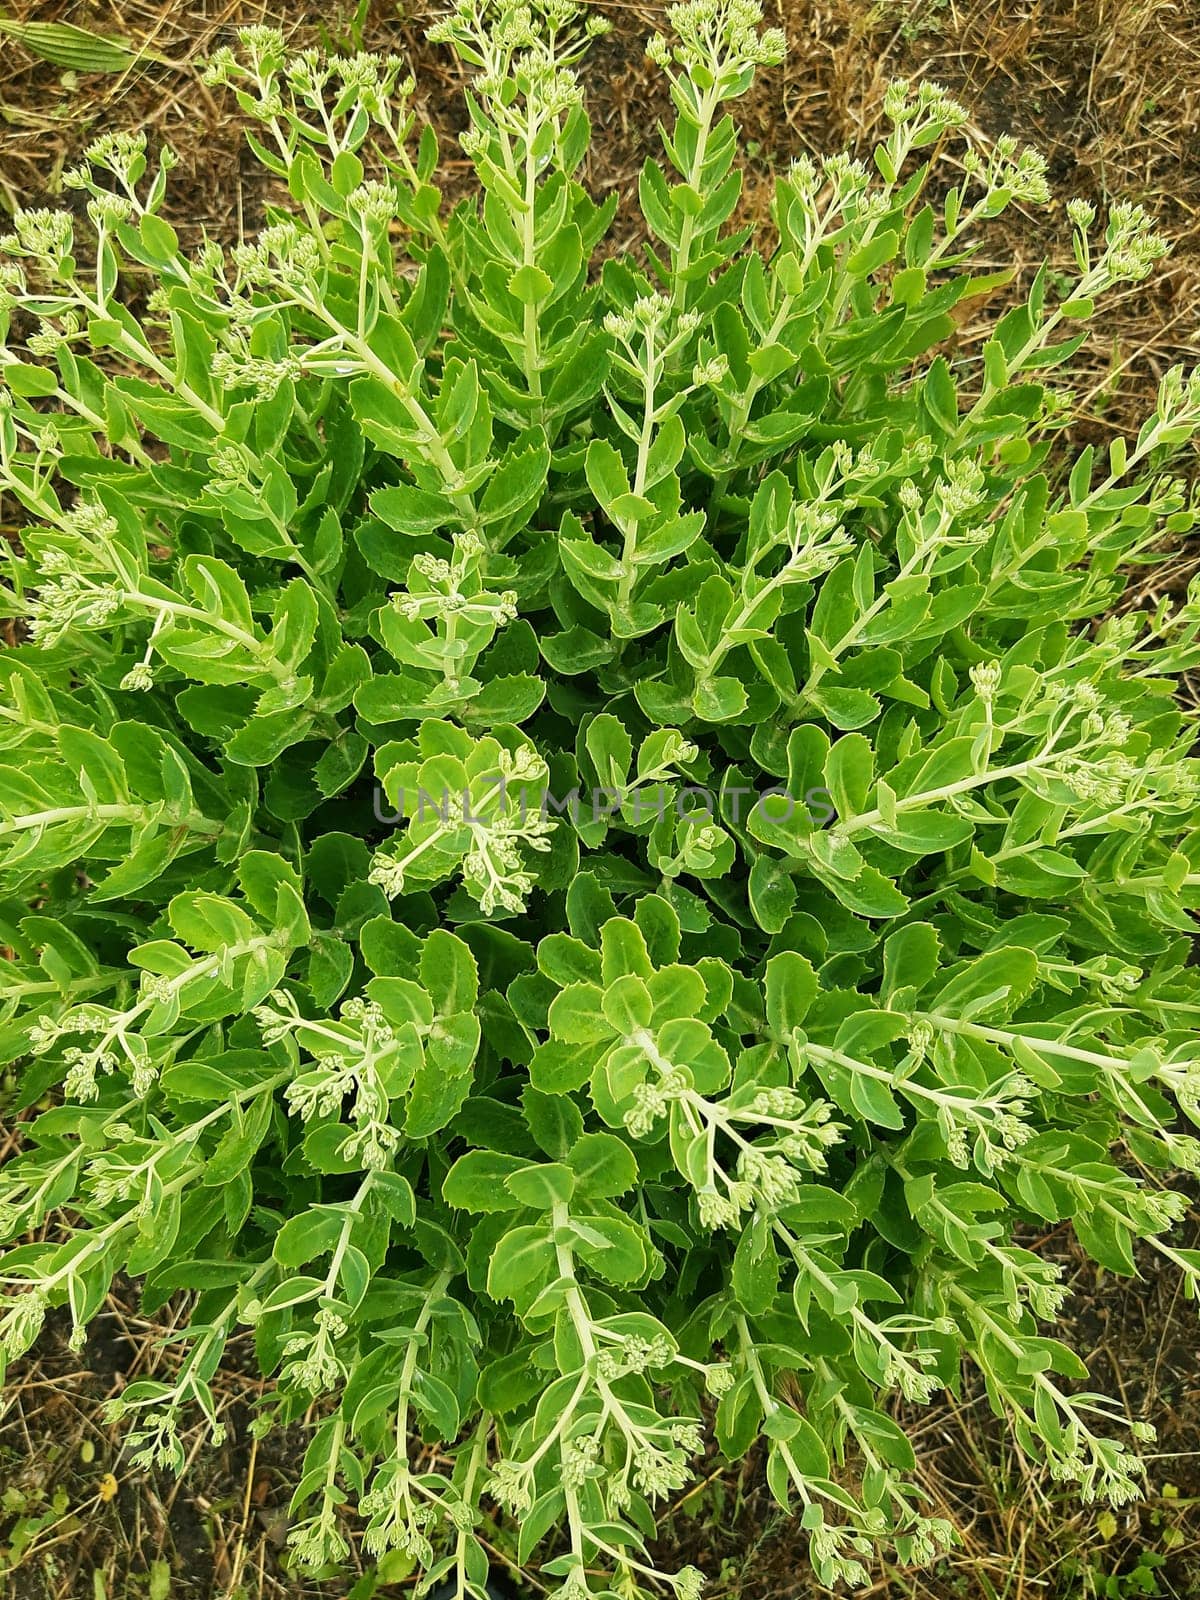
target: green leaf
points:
(410, 510)
(522, 1258)
(304, 1238)
(755, 1269)
(443, 1079)
(541, 1187)
(606, 475)
(611, 750)
(849, 773)
(577, 1015)
(448, 973)
(530, 285)
(870, 257)
(74, 48)
(604, 1166)
(614, 1249)
(477, 1182)
(627, 1005)
(791, 987)
(554, 1121)
(517, 485)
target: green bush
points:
(572, 838)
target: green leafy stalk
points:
(580, 849)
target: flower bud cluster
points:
(922, 107)
(717, 1210)
(633, 1354)
(1131, 245)
(42, 235)
(318, 1542)
(21, 1319)
(509, 1486)
(1103, 1469)
(1009, 172)
(991, 1128)
(310, 1362)
(718, 37)
(263, 377)
(440, 590)
(986, 679)
(839, 1552)
(156, 1442)
(398, 1521)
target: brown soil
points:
(1110, 91)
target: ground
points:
(1110, 91)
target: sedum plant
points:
(588, 852)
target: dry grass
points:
(1110, 90)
